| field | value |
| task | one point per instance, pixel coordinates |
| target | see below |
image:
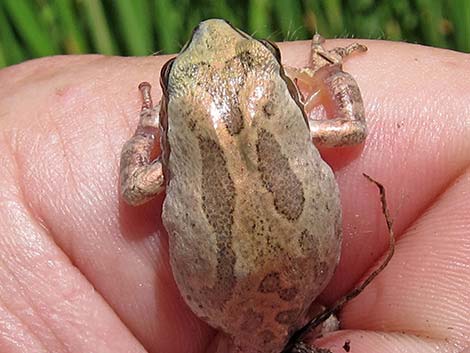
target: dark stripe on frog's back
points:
(278, 177)
(218, 204)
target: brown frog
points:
(252, 211)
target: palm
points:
(80, 271)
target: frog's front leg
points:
(325, 83)
(142, 178)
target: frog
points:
(252, 211)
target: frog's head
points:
(213, 40)
(216, 44)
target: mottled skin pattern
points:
(252, 211)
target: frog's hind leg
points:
(142, 178)
(325, 83)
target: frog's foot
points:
(142, 178)
(321, 57)
(325, 84)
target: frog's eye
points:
(273, 48)
(165, 72)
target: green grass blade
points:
(73, 39)
(259, 12)
(431, 15)
(134, 25)
(460, 14)
(102, 39)
(3, 59)
(334, 15)
(30, 28)
(290, 16)
(316, 19)
(12, 51)
(227, 11)
(168, 22)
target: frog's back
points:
(252, 210)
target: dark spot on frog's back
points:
(267, 336)
(192, 123)
(193, 69)
(270, 283)
(268, 109)
(278, 177)
(218, 192)
(287, 317)
(246, 59)
(288, 294)
(234, 120)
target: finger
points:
(46, 304)
(424, 292)
(382, 342)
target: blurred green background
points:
(34, 28)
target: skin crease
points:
(81, 271)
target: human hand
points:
(80, 271)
